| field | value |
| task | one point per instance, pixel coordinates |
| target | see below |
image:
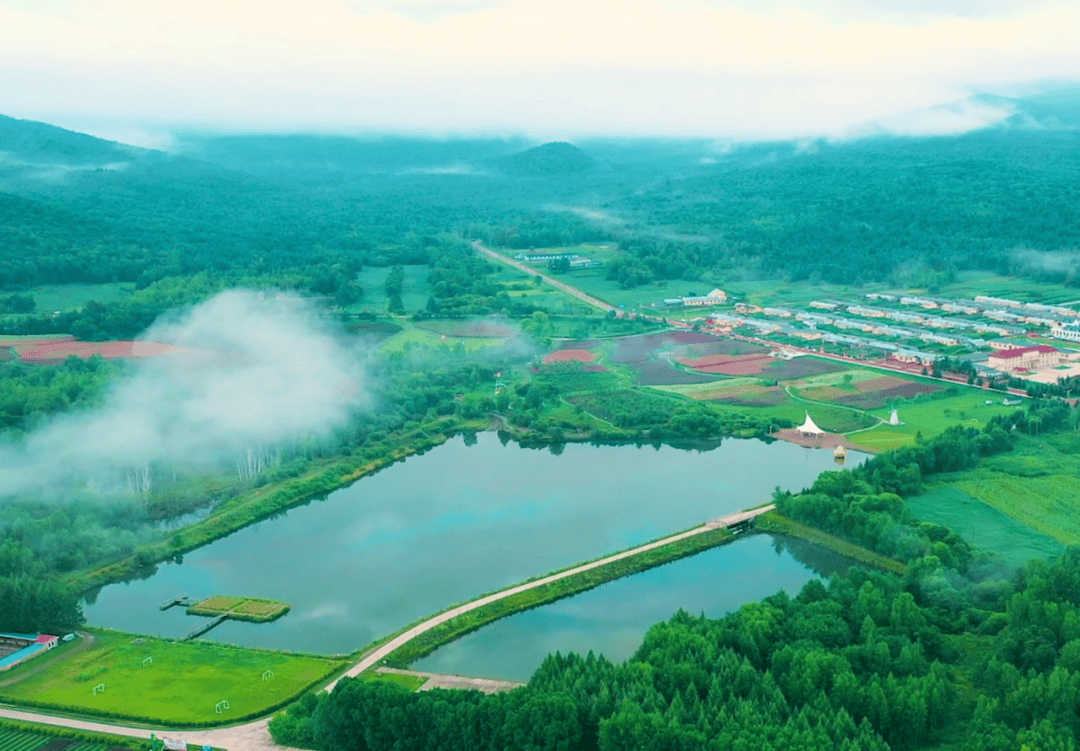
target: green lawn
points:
(181, 684)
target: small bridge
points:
(740, 521)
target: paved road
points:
(254, 736)
(531, 270)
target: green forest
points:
(959, 652)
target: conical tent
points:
(894, 419)
(809, 428)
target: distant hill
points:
(556, 158)
(37, 143)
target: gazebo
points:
(808, 428)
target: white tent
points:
(894, 419)
(809, 428)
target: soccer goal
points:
(99, 688)
(221, 706)
(267, 675)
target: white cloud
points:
(771, 67)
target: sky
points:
(746, 69)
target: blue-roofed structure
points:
(18, 648)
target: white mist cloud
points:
(761, 68)
(253, 371)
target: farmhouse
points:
(822, 305)
(1068, 331)
(862, 310)
(955, 307)
(716, 297)
(1025, 358)
(546, 256)
(16, 649)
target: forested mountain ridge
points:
(911, 211)
(32, 142)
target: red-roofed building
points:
(1025, 358)
(48, 641)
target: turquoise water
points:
(449, 525)
(612, 619)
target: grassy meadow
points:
(1022, 504)
(414, 290)
(179, 684)
(65, 297)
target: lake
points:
(451, 524)
(612, 619)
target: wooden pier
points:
(182, 600)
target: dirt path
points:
(531, 271)
(254, 736)
(440, 680)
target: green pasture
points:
(64, 297)
(414, 290)
(411, 338)
(181, 683)
(595, 282)
(982, 525)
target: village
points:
(999, 337)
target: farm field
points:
(971, 283)
(840, 398)
(54, 350)
(169, 682)
(28, 740)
